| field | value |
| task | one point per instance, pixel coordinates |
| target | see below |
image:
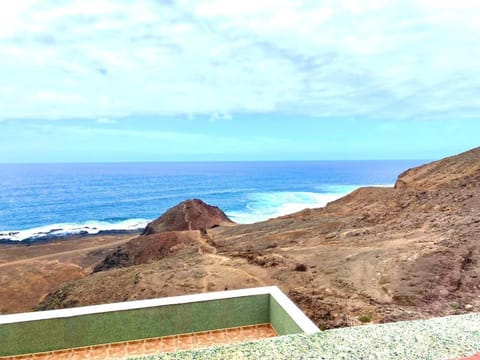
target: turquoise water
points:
(45, 200)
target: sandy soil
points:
(29, 273)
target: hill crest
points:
(453, 171)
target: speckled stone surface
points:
(143, 347)
(450, 337)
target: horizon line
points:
(204, 161)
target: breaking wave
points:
(252, 207)
(265, 205)
(68, 229)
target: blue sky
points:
(101, 80)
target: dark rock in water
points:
(51, 236)
(188, 215)
(4, 241)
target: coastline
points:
(95, 197)
(282, 203)
(66, 237)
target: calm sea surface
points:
(57, 199)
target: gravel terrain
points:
(446, 338)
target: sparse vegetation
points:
(365, 319)
(455, 305)
(272, 245)
(301, 267)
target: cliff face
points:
(385, 254)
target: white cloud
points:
(376, 59)
(105, 120)
(10, 14)
(57, 98)
(220, 116)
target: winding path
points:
(69, 252)
(185, 216)
(220, 260)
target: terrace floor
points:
(474, 357)
(157, 345)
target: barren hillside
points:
(378, 254)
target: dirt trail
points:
(219, 261)
(58, 255)
(185, 216)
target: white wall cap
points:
(295, 313)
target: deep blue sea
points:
(45, 200)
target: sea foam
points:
(68, 229)
(260, 206)
(265, 205)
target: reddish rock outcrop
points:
(145, 249)
(188, 215)
(166, 235)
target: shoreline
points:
(66, 237)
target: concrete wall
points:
(100, 328)
(281, 320)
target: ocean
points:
(39, 201)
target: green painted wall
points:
(281, 321)
(54, 334)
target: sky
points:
(201, 80)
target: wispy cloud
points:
(367, 59)
(105, 120)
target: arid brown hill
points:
(454, 171)
(146, 249)
(375, 255)
(188, 215)
(166, 235)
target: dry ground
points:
(29, 273)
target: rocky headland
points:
(376, 255)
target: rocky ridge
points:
(178, 228)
